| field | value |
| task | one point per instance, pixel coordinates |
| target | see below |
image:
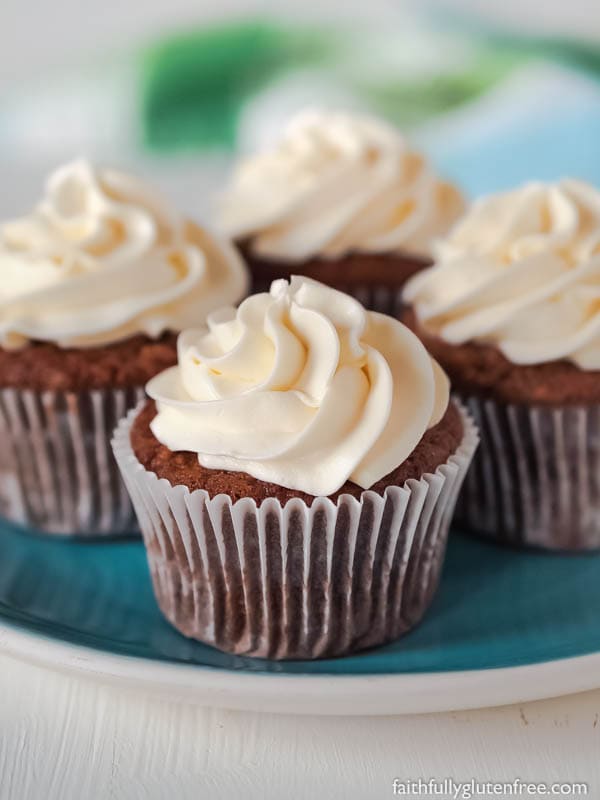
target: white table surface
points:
(64, 737)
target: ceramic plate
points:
(506, 626)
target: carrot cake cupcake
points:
(97, 281)
(511, 310)
(295, 475)
(342, 198)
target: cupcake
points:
(295, 474)
(341, 199)
(511, 310)
(96, 282)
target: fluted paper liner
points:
(294, 581)
(57, 471)
(535, 480)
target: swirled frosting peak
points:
(102, 258)
(300, 387)
(337, 183)
(521, 271)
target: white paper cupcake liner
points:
(535, 480)
(295, 581)
(57, 471)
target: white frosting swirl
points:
(301, 387)
(338, 183)
(102, 258)
(521, 271)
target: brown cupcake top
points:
(352, 270)
(482, 370)
(183, 468)
(520, 272)
(42, 366)
(301, 387)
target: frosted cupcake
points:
(511, 310)
(97, 280)
(342, 199)
(295, 475)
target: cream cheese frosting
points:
(337, 183)
(102, 258)
(301, 387)
(520, 271)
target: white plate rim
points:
(340, 695)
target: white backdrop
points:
(36, 34)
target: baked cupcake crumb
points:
(346, 273)
(44, 366)
(482, 370)
(434, 449)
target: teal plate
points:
(499, 615)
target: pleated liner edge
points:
(57, 471)
(295, 581)
(535, 480)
